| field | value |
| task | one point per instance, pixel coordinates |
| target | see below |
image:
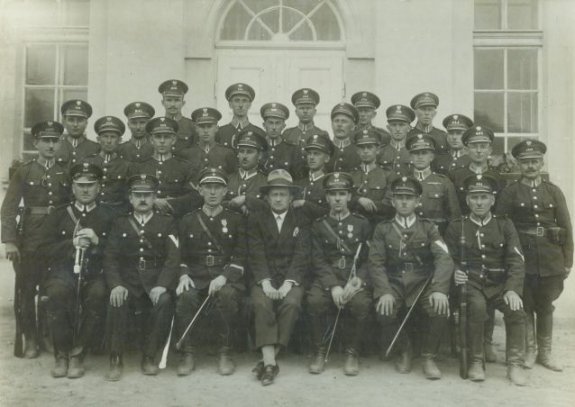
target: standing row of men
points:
(391, 180)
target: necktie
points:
(278, 222)
(74, 143)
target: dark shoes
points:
(351, 365)
(258, 370)
(186, 364)
(75, 367)
(31, 350)
(476, 373)
(116, 367)
(430, 369)
(269, 374)
(60, 366)
(226, 365)
(490, 356)
(517, 375)
(149, 367)
(403, 362)
(317, 363)
(545, 359)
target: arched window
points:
(281, 21)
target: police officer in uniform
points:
(540, 213)
(493, 269)
(141, 268)
(456, 157)
(336, 240)
(114, 188)
(305, 101)
(344, 118)
(138, 148)
(394, 157)
(43, 184)
(207, 153)
(175, 193)
(73, 240)
(75, 146)
(367, 104)
(425, 107)
(279, 155)
(173, 91)
(213, 255)
(240, 97)
(279, 247)
(405, 253)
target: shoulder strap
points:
(72, 215)
(339, 242)
(137, 230)
(209, 233)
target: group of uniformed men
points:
(185, 217)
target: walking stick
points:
(181, 340)
(462, 308)
(164, 359)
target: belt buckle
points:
(341, 263)
(540, 231)
(142, 264)
(408, 267)
(50, 208)
(210, 260)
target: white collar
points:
(143, 219)
(342, 143)
(367, 168)
(478, 221)
(424, 173)
(162, 157)
(340, 218)
(405, 222)
(85, 208)
(281, 216)
(314, 177)
(398, 145)
(45, 163)
(247, 175)
(531, 183)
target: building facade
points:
(509, 64)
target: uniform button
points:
(49, 184)
(141, 231)
(341, 232)
(159, 171)
(73, 153)
(483, 256)
(102, 193)
(536, 215)
(534, 190)
(50, 193)
(159, 192)
(482, 234)
(209, 243)
(105, 169)
(50, 202)
(141, 240)
(535, 206)
(141, 249)
(48, 176)
(535, 198)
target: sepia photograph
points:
(287, 203)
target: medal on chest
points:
(350, 231)
(224, 225)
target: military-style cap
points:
(49, 129)
(406, 186)
(206, 115)
(346, 109)
(279, 178)
(424, 99)
(252, 138)
(367, 136)
(457, 122)
(419, 142)
(143, 183)
(85, 173)
(365, 99)
(240, 89)
(480, 183)
(337, 181)
(400, 113)
(274, 110)
(305, 96)
(76, 107)
(109, 123)
(478, 134)
(162, 125)
(320, 142)
(173, 87)
(139, 109)
(213, 176)
(529, 149)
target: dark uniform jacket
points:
(439, 136)
(217, 156)
(370, 185)
(41, 189)
(227, 135)
(186, 136)
(458, 177)
(492, 254)
(299, 134)
(394, 161)
(250, 186)
(445, 163)
(333, 252)
(401, 259)
(314, 195)
(385, 136)
(68, 155)
(278, 256)
(58, 234)
(142, 259)
(282, 155)
(114, 187)
(344, 158)
(535, 211)
(133, 152)
(219, 252)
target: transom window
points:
(281, 21)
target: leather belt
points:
(40, 210)
(210, 260)
(534, 231)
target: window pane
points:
(258, 5)
(522, 14)
(487, 15)
(28, 141)
(522, 112)
(488, 110)
(326, 24)
(488, 65)
(522, 69)
(271, 19)
(303, 33)
(513, 141)
(258, 33)
(498, 145)
(68, 94)
(235, 24)
(305, 6)
(75, 61)
(77, 13)
(40, 65)
(290, 18)
(39, 106)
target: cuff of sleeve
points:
(293, 282)
(262, 280)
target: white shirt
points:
(279, 217)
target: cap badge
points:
(455, 117)
(50, 123)
(240, 86)
(364, 94)
(78, 103)
(420, 136)
(478, 128)
(138, 104)
(225, 225)
(174, 83)
(398, 108)
(528, 142)
(404, 179)
(143, 177)
(108, 119)
(305, 91)
(85, 166)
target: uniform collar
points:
(85, 208)
(274, 142)
(243, 122)
(398, 145)
(341, 144)
(340, 218)
(139, 142)
(405, 222)
(75, 142)
(206, 147)
(143, 219)
(479, 170)
(212, 213)
(480, 222)
(425, 129)
(367, 168)
(305, 127)
(247, 174)
(531, 183)
(47, 164)
(421, 175)
(315, 176)
(162, 157)
(108, 157)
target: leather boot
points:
(517, 375)
(186, 364)
(476, 373)
(544, 342)
(403, 361)
(430, 369)
(149, 367)
(31, 349)
(317, 363)
(75, 367)
(488, 327)
(60, 366)
(226, 365)
(490, 356)
(116, 366)
(530, 343)
(351, 365)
